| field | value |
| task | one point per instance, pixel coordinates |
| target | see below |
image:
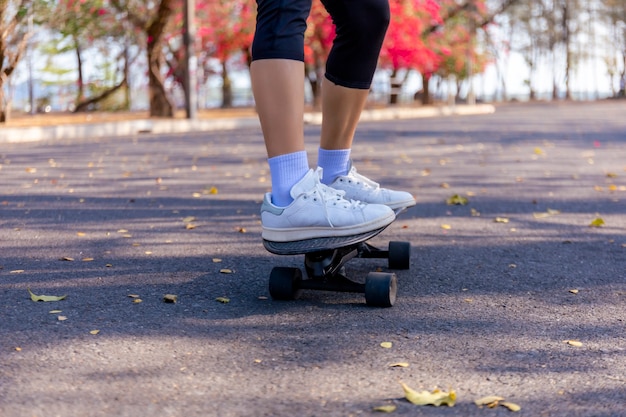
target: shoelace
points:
(354, 176)
(327, 194)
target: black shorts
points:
(360, 26)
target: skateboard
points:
(324, 264)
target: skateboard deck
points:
(324, 261)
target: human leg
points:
(299, 207)
(361, 27)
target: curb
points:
(135, 127)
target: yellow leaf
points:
(170, 298)
(197, 195)
(61, 318)
(18, 349)
(226, 271)
(598, 222)
(223, 300)
(501, 220)
(45, 298)
(511, 406)
(575, 343)
(137, 300)
(457, 200)
(217, 260)
(538, 151)
(190, 226)
(386, 345)
(489, 401)
(385, 408)
(574, 291)
(94, 332)
(399, 365)
(66, 258)
(189, 219)
(212, 190)
(80, 233)
(436, 397)
(87, 259)
(446, 226)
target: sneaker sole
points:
(318, 244)
(307, 233)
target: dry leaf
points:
(16, 271)
(66, 258)
(399, 365)
(386, 345)
(189, 219)
(490, 401)
(94, 332)
(385, 408)
(446, 226)
(190, 226)
(436, 397)
(511, 406)
(55, 311)
(597, 222)
(45, 298)
(87, 259)
(80, 233)
(575, 343)
(170, 298)
(223, 300)
(501, 220)
(61, 318)
(226, 271)
(217, 260)
(457, 200)
(574, 291)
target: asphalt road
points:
(499, 292)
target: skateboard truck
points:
(325, 272)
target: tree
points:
(226, 28)
(14, 35)
(152, 20)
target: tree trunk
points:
(160, 105)
(227, 88)
(80, 96)
(426, 98)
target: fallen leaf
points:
(436, 397)
(226, 271)
(66, 258)
(446, 226)
(223, 300)
(94, 332)
(386, 345)
(501, 220)
(597, 222)
(80, 233)
(18, 349)
(457, 200)
(385, 408)
(55, 311)
(189, 219)
(61, 318)
(490, 401)
(45, 298)
(538, 151)
(137, 300)
(575, 343)
(217, 260)
(399, 365)
(170, 298)
(212, 190)
(511, 406)
(190, 226)
(16, 271)
(87, 259)
(574, 291)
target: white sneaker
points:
(359, 187)
(318, 211)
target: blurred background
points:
(161, 56)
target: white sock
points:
(286, 170)
(333, 163)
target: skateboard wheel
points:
(381, 289)
(399, 255)
(284, 283)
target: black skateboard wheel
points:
(284, 283)
(381, 289)
(399, 255)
